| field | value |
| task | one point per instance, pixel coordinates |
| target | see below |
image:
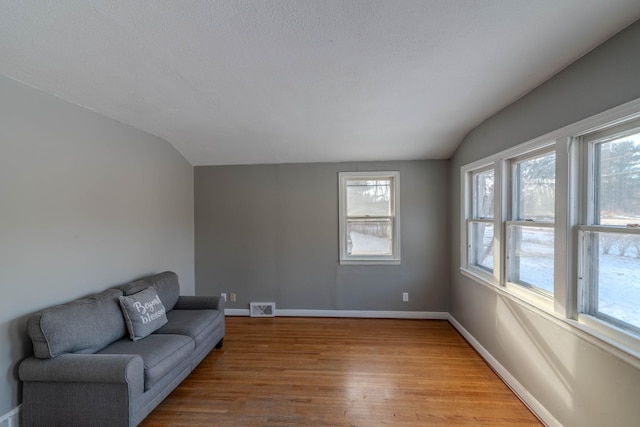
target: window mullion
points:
(502, 210)
(581, 260)
(566, 206)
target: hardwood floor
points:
(341, 372)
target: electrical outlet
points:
(232, 297)
(405, 296)
(224, 296)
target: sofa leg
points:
(219, 345)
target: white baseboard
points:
(432, 315)
(527, 398)
(11, 418)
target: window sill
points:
(604, 331)
(369, 262)
(514, 291)
(480, 276)
(616, 342)
(530, 297)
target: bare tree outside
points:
(482, 233)
(531, 248)
(617, 204)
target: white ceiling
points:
(280, 81)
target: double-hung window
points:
(555, 223)
(530, 230)
(481, 223)
(609, 268)
(369, 217)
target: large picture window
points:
(369, 224)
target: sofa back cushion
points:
(166, 284)
(84, 325)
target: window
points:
(530, 232)
(369, 217)
(554, 223)
(609, 276)
(480, 226)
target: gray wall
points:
(85, 203)
(270, 233)
(580, 384)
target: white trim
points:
(367, 261)
(622, 113)
(609, 229)
(346, 259)
(12, 418)
(518, 389)
(479, 276)
(430, 315)
(611, 333)
(563, 309)
(372, 314)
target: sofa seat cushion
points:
(160, 353)
(196, 324)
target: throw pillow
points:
(143, 313)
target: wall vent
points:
(262, 309)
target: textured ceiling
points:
(279, 81)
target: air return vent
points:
(262, 309)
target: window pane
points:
(483, 194)
(530, 256)
(618, 276)
(535, 188)
(481, 245)
(369, 197)
(617, 182)
(369, 237)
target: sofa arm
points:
(87, 368)
(186, 302)
(100, 390)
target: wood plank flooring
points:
(341, 372)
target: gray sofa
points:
(87, 370)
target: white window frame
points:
(346, 258)
(587, 312)
(572, 169)
(467, 202)
(512, 220)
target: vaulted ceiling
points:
(280, 81)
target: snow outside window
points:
(530, 232)
(562, 212)
(480, 225)
(610, 239)
(369, 220)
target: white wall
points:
(577, 382)
(85, 203)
